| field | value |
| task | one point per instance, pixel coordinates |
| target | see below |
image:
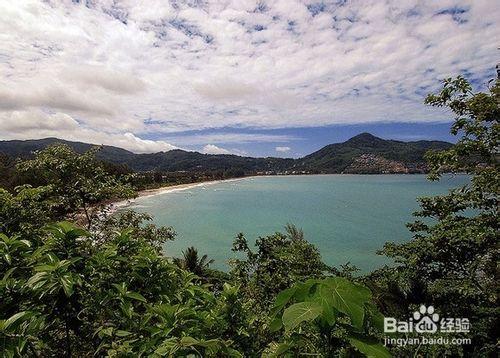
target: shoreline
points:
(119, 204)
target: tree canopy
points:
(452, 262)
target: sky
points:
(258, 78)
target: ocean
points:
(347, 217)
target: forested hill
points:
(363, 153)
(174, 160)
(366, 153)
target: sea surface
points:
(347, 217)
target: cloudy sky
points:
(279, 77)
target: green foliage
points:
(280, 261)
(236, 318)
(300, 312)
(326, 317)
(26, 211)
(113, 293)
(268, 275)
(77, 181)
(138, 225)
(7, 172)
(452, 262)
(73, 296)
(293, 232)
(192, 263)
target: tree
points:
(293, 232)
(138, 225)
(26, 211)
(79, 182)
(7, 172)
(192, 263)
(280, 261)
(454, 253)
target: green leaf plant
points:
(326, 317)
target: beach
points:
(113, 207)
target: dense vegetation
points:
(336, 158)
(164, 162)
(102, 286)
(12, 177)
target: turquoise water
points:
(348, 217)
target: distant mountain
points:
(25, 148)
(366, 153)
(173, 160)
(363, 153)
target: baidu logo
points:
(426, 320)
(424, 327)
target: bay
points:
(347, 217)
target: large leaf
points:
(16, 319)
(303, 290)
(120, 287)
(210, 344)
(46, 268)
(167, 347)
(300, 312)
(349, 298)
(37, 280)
(275, 324)
(104, 331)
(284, 296)
(369, 347)
(324, 297)
(135, 296)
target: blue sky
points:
(297, 142)
(260, 78)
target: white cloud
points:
(233, 138)
(139, 145)
(162, 67)
(55, 97)
(37, 125)
(108, 79)
(213, 149)
(22, 122)
(283, 149)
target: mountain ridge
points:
(363, 153)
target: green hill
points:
(363, 153)
(339, 157)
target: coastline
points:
(116, 205)
(120, 203)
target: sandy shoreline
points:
(167, 189)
